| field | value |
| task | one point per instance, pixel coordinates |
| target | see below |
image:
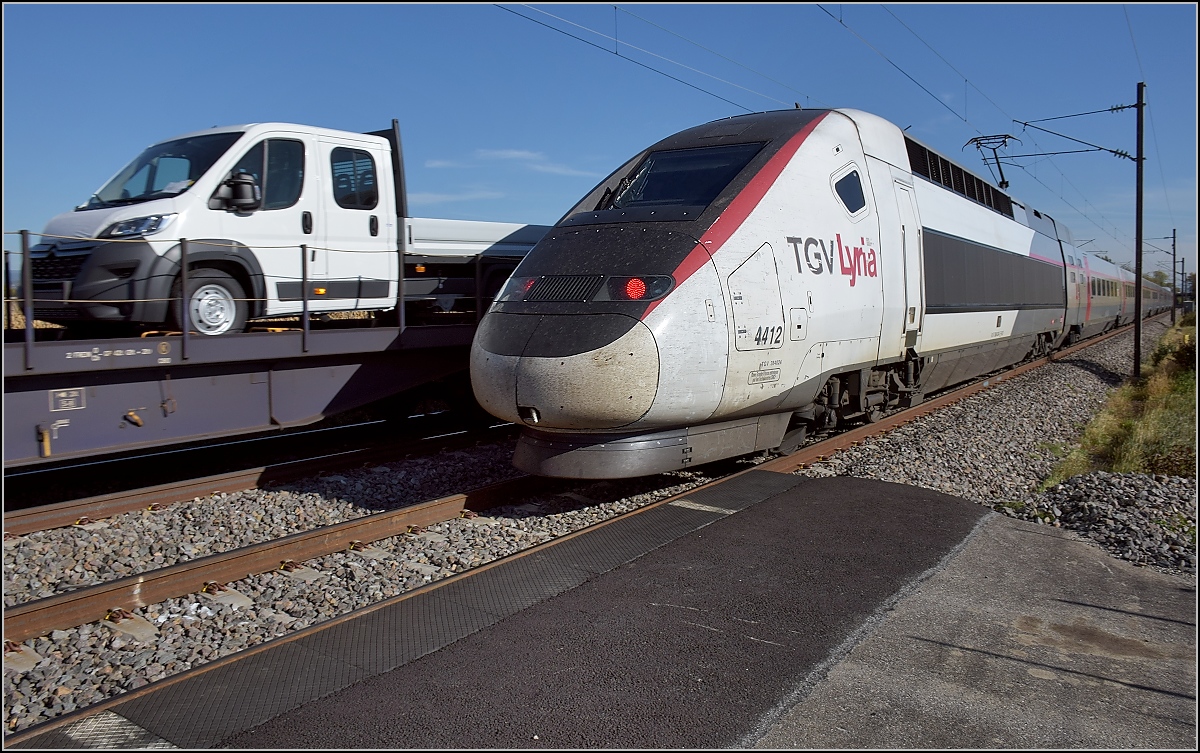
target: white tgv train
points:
(743, 282)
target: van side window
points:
(284, 160)
(285, 173)
(849, 190)
(354, 179)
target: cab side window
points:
(282, 162)
(354, 179)
(847, 184)
(849, 190)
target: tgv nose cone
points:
(552, 378)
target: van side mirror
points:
(239, 193)
(245, 195)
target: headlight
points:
(138, 226)
(515, 289)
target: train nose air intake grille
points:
(565, 288)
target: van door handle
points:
(374, 225)
(306, 222)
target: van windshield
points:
(165, 169)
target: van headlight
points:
(138, 226)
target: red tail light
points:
(642, 288)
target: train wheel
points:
(874, 415)
(216, 303)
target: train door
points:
(910, 239)
(759, 331)
(1076, 300)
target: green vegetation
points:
(1148, 424)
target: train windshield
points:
(166, 169)
(682, 181)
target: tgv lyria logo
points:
(853, 261)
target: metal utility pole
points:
(1174, 287)
(1137, 253)
(1183, 280)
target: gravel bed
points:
(997, 446)
(993, 448)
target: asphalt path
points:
(843, 613)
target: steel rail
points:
(93, 603)
(60, 514)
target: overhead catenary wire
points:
(636, 62)
(902, 71)
(1002, 111)
(1117, 152)
(944, 60)
(1153, 131)
(1114, 108)
(723, 57)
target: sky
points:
(514, 112)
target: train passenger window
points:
(849, 190)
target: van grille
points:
(565, 288)
(58, 267)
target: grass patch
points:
(1057, 449)
(1149, 424)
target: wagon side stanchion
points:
(8, 302)
(185, 316)
(304, 298)
(27, 297)
(478, 287)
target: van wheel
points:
(216, 303)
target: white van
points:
(272, 213)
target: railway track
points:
(115, 599)
(70, 512)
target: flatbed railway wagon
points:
(236, 280)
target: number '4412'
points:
(768, 336)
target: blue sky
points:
(513, 112)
